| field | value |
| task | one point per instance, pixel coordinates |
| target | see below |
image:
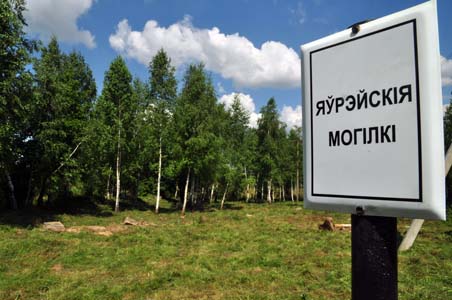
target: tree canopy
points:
(61, 139)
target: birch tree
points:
(163, 92)
(235, 171)
(269, 132)
(115, 101)
(197, 138)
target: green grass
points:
(244, 252)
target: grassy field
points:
(247, 251)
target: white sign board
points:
(372, 106)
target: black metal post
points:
(374, 258)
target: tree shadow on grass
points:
(132, 204)
(231, 206)
(93, 206)
(77, 206)
(35, 216)
(26, 218)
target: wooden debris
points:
(74, 229)
(130, 221)
(57, 268)
(343, 226)
(95, 228)
(54, 226)
(327, 224)
(99, 230)
(114, 228)
(104, 233)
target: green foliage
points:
(195, 127)
(271, 134)
(60, 141)
(114, 126)
(447, 143)
(237, 156)
(15, 85)
(63, 96)
(448, 126)
(293, 159)
(159, 112)
(163, 84)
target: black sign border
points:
(413, 22)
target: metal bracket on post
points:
(357, 26)
(416, 224)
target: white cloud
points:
(292, 117)
(247, 103)
(59, 18)
(446, 71)
(233, 56)
(299, 13)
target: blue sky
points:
(250, 47)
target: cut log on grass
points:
(104, 233)
(94, 228)
(54, 226)
(327, 224)
(343, 226)
(130, 221)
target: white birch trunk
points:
(118, 171)
(247, 192)
(186, 193)
(157, 202)
(108, 185)
(176, 192)
(224, 196)
(291, 190)
(297, 189)
(283, 194)
(12, 196)
(211, 193)
(203, 192)
(269, 191)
